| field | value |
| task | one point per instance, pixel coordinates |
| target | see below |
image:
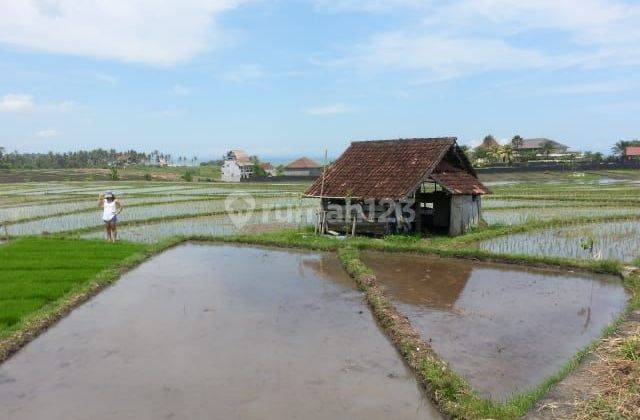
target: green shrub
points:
(188, 175)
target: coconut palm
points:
(619, 148)
(546, 148)
(517, 141)
(507, 153)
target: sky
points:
(286, 78)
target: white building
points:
(236, 166)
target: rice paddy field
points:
(153, 211)
(572, 215)
(564, 231)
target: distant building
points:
(632, 153)
(236, 166)
(303, 167)
(269, 169)
(537, 145)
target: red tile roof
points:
(393, 169)
(632, 151)
(460, 182)
(303, 163)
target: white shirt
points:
(109, 211)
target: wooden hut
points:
(400, 186)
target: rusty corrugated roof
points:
(390, 169)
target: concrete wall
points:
(230, 172)
(465, 213)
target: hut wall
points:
(465, 213)
(370, 224)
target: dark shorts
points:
(112, 221)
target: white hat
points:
(109, 194)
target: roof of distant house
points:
(632, 151)
(394, 169)
(537, 143)
(303, 163)
(241, 157)
(488, 143)
(266, 166)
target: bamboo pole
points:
(324, 171)
(353, 227)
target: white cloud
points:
(365, 5)
(335, 109)
(181, 90)
(589, 88)
(169, 113)
(47, 134)
(462, 37)
(17, 102)
(587, 21)
(107, 78)
(243, 74)
(139, 31)
(441, 57)
(63, 106)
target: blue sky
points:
(286, 78)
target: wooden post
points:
(317, 224)
(324, 170)
(324, 223)
(353, 227)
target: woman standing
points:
(111, 208)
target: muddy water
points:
(504, 328)
(216, 332)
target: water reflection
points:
(504, 328)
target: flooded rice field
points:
(504, 328)
(521, 216)
(218, 225)
(610, 240)
(93, 218)
(198, 332)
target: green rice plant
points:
(619, 240)
(37, 272)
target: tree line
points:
(97, 158)
(490, 151)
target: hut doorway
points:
(433, 209)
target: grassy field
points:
(36, 273)
(584, 221)
(151, 173)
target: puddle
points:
(504, 328)
(209, 331)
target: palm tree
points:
(619, 148)
(517, 141)
(507, 152)
(546, 148)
